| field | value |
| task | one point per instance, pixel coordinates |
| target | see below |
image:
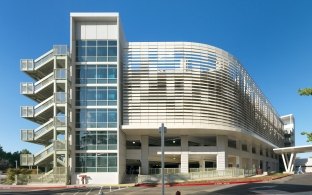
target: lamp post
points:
(15, 164)
(162, 130)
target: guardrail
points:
(211, 174)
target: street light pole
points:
(15, 164)
(162, 131)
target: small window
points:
(232, 143)
(244, 147)
(254, 150)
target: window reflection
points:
(96, 118)
(91, 74)
(96, 140)
(96, 51)
(96, 162)
(92, 96)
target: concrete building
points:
(99, 106)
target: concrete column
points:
(202, 165)
(222, 157)
(184, 154)
(250, 156)
(238, 162)
(144, 155)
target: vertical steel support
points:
(162, 130)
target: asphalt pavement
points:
(295, 184)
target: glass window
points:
(91, 51)
(96, 118)
(96, 162)
(96, 140)
(91, 71)
(80, 51)
(112, 72)
(96, 96)
(112, 43)
(102, 74)
(102, 51)
(80, 43)
(96, 50)
(112, 94)
(231, 143)
(112, 115)
(87, 74)
(91, 43)
(102, 43)
(102, 140)
(91, 96)
(112, 140)
(102, 160)
(112, 51)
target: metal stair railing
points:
(26, 88)
(44, 153)
(43, 82)
(43, 105)
(43, 129)
(60, 50)
(60, 97)
(60, 162)
(30, 64)
(26, 64)
(43, 59)
(59, 145)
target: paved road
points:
(296, 184)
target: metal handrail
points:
(44, 82)
(60, 49)
(59, 145)
(43, 59)
(43, 128)
(26, 88)
(49, 149)
(60, 97)
(43, 105)
(61, 73)
(26, 64)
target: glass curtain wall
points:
(96, 103)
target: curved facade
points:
(194, 86)
(112, 96)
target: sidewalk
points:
(38, 186)
(188, 183)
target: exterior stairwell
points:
(39, 135)
(44, 64)
(34, 113)
(42, 156)
(50, 90)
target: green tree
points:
(306, 92)
(25, 151)
(309, 136)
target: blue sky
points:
(272, 39)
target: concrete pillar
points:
(238, 162)
(144, 155)
(250, 156)
(202, 165)
(222, 157)
(184, 154)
